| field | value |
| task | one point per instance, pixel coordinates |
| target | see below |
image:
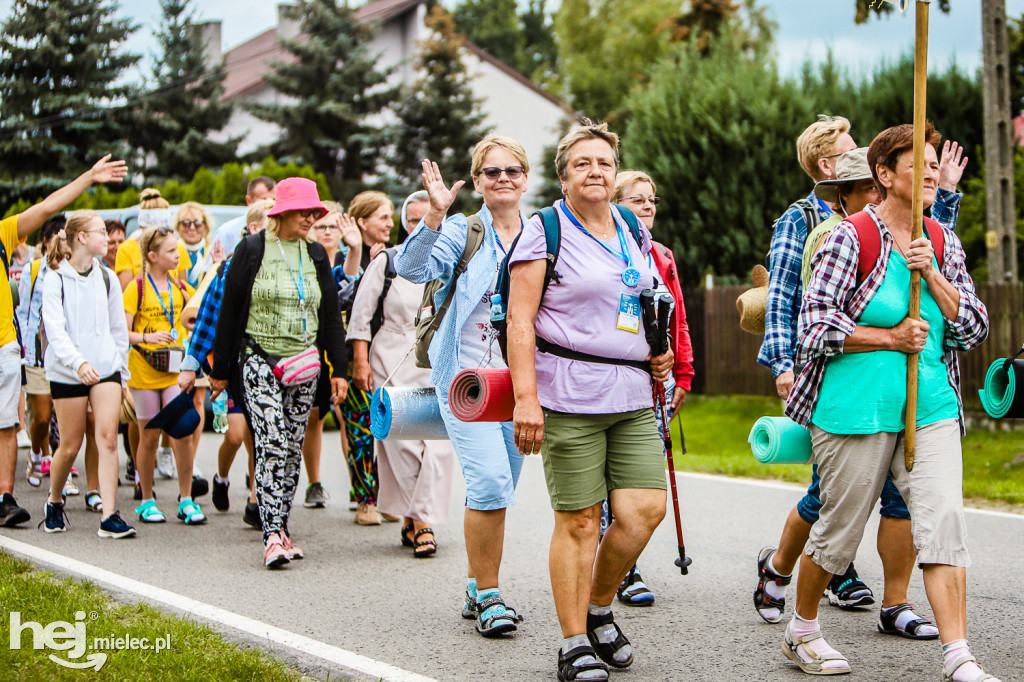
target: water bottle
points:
(220, 413)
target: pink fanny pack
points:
(298, 369)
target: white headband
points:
(154, 217)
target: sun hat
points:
(178, 417)
(751, 303)
(850, 167)
(297, 194)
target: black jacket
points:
(234, 315)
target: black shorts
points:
(59, 390)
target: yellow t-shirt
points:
(129, 257)
(151, 318)
(9, 235)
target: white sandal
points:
(947, 674)
(790, 648)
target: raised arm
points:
(104, 170)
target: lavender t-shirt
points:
(581, 312)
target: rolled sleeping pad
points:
(780, 440)
(482, 395)
(191, 310)
(406, 414)
(1003, 393)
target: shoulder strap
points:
(3, 257)
(810, 211)
(938, 236)
(141, 286)
(474, 238)
(870, 240)
(633, 222)
(553, 241)
(389, 276)
(106, 279)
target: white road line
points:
(779, 485)
(332, 654)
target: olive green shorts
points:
(586, 455)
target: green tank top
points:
(867, 392)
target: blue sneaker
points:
(53, 517)
(114, 527)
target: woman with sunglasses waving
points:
(86, 361)
(278, 314)
(465, 338)
(152, 307)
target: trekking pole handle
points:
(664, 312)
(650, 316)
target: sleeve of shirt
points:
(532, 244)
(205, 328)
(971, 325)
(431, 254)
(784, 261)
(127, 254)
(118, 325)
(947, 207)
(24, 287)
(365, 303)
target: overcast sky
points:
(807, 28)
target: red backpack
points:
(871, 242)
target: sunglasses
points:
(310, 213)
(640, 201)
(191, 223)
(512, 172)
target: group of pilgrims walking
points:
(304, 308)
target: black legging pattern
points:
(278, 416)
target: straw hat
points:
(751, 303)
(850, 167)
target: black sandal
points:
(432, 544)
(606, 651)
(887, 623)
(406, 542)
(567, 670)
(487, 626)
(763, 600)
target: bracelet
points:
(143, 337)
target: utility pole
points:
(1001, 223)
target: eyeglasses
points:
(325, 227)
(191, 223)
(101, 231)
(640, 201)
(512, 172)
(310, 213)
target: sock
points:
(217, 478)
(909, 615)
(606, 634)
(801, 627)
(954, 650)
(471, 587)
(570, 643)
(774, 591)
(183, 500)
(495, 610)
(35, 457)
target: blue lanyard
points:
(626, 257)
(824, 206)
(300, 286)
(170, 296)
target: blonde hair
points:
(626, 179)
(818, 141)
(584, 129)
(257, 213)
(497, 142)
(365, 204)
(151, 240)
(195, 207)
(63, 245)
(151, 198)
(273, 228)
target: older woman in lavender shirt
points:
(592, 418)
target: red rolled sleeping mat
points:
(482, 395)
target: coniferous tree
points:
(63, 104)
(332, 89)
(183, 107)
(440, 119)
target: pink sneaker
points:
(274, 554)
(293, 551)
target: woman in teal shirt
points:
(854, 339)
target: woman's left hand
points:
(350, 234)
(339, 390)
(678, 398)
(661, 366)
(919, 255)
(218, 253)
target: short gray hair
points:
(584, 129)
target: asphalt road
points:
(359, 590)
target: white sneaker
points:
(23, 440)
(165, 463)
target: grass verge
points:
(716, 430)
(193, 652)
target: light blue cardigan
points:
(432, 254)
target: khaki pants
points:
(853, 470)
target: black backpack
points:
(553, 239)
(347, 294)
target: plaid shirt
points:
(834, 301)
(200, 344)
(785, 258)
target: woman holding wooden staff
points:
(854, 340)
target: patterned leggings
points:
(278, 416)
(362, 468)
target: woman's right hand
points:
(88, 375)
(528, 422)
(910, 335)
(186, 380)
(441, 197)
(362, 375)
(216, 386)
(160, 338)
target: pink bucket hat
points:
(297, 194)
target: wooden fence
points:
(725, 357)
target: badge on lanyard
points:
(629, 313)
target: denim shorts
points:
(488, 456)
(893, 506)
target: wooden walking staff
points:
(917, 213)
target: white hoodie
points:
(84, 323)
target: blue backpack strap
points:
(553, 239)
(634, 224)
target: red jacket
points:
(682, 348)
